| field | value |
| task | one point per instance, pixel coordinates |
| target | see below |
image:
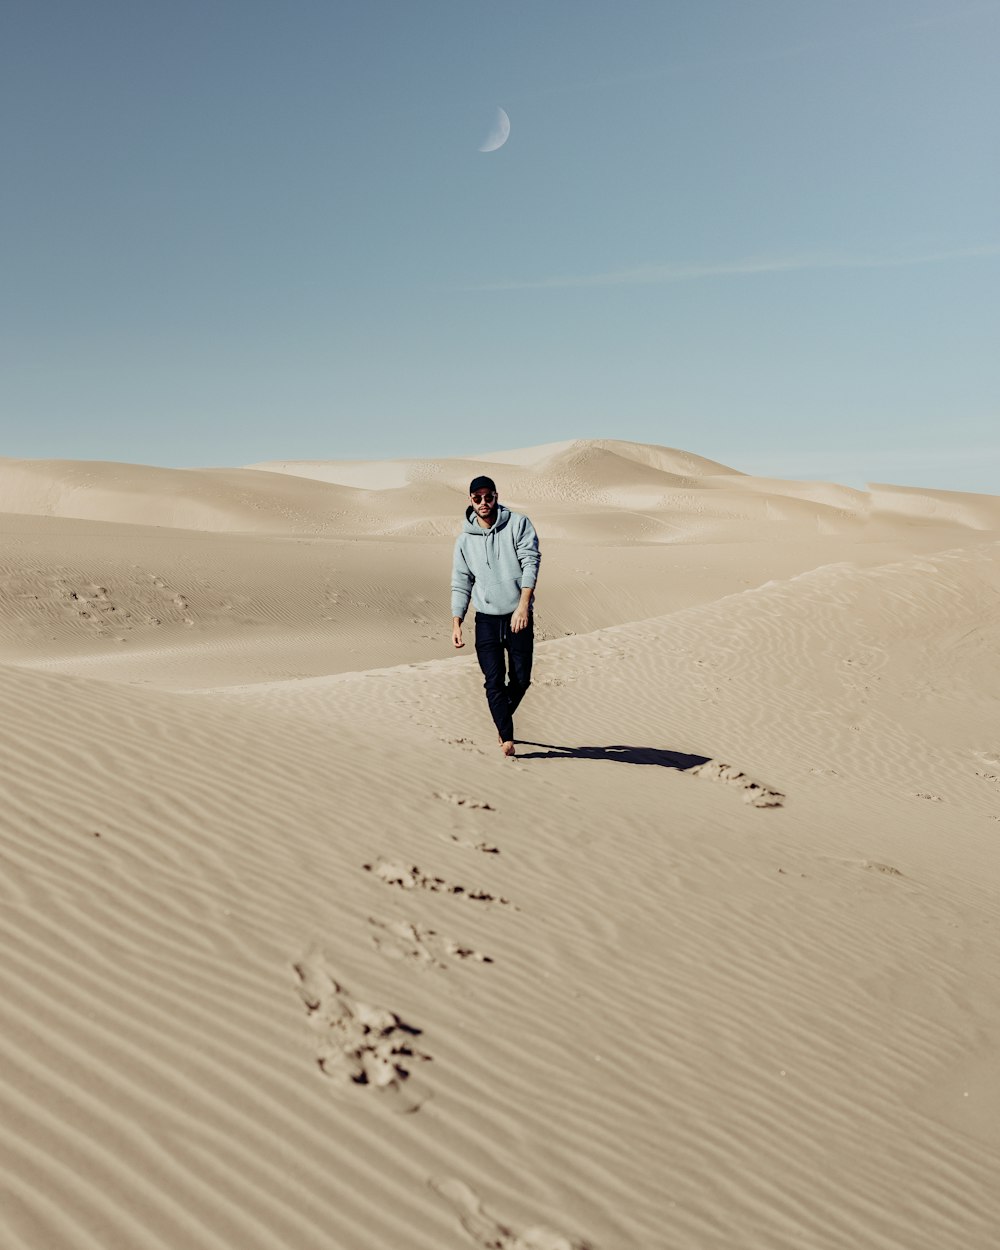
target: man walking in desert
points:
(496, 566)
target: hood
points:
(472, 526)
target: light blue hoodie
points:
(492, 565)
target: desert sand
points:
(294, 958)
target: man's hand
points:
(520, 616)
(456, 632)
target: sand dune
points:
(293, 958)
(209, 499)
(635, 492)
(977, 512)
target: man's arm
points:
(528, 555)
(461, 591)
(529, 558)
(519, 617)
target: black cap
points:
(482, 483)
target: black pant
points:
(494, 637)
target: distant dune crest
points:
(623, 491)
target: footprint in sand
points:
(869, 865)
(873, 865)
(461, 800)
(754, 792)
(465, 743)
(406, 877)
(357, 1044)
(473, 805)
(490, 1233)
(398, 939)
(487, 848)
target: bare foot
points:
(508, 749)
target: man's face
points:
(483, 501)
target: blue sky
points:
(766, 231)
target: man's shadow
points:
(623, 754)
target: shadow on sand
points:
(623, 754)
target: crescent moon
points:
(499, 134)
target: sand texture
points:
(294, 959)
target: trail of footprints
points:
(109, 613)
(358, 1043)
(361, 1044)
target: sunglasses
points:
(487, 496)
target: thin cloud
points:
(660, 275)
